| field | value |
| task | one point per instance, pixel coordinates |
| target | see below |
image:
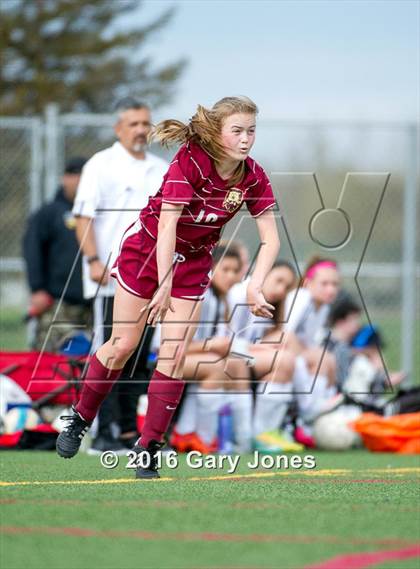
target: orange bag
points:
(397, 433)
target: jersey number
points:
(210, 217)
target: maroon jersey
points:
(192, 180)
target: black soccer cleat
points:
(147, 460)
(70, 438)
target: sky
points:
(298, 60)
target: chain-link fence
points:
(20, 179)
(358, 156)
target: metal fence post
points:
(51, 162)
(35, 183)
(409, 256)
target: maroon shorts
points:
(136, 269)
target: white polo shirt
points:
(241, 321)
(306, 320)
(212, 317)
(113, 188)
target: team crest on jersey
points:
(233, 200)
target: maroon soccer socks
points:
(97, 384)
(164, 394)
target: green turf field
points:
(77, 514)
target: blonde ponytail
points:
(169, 132)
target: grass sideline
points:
(77, 514)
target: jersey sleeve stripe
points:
(265, 209)
(173, 201)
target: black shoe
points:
(70, 438)
(103, 443)
(147, 457)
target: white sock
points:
(241, 404)
(208, 405)
(187, 419)
(271, 406)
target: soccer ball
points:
(20, 418)
(332, 432)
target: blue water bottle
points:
(225, 430)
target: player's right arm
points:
(85, 207)
(165, 249)
(85, 233)
(177, 192)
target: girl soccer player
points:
(315, 370)
(273, 366)
(311, 303)
(306, 326)
(164, 264)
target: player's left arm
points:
(270, 247)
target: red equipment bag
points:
(45, 377)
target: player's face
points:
(238, 135)
(278, 283)
(324, 285)
(226, 274)
(132, 129)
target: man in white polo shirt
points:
(116, 183)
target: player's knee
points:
(179, 362)
(315, 360)
(287, 360)
(123, 349)
(236, 370)
(169, 352)
(171, 363)
(283, 368)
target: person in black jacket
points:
(53, 267)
